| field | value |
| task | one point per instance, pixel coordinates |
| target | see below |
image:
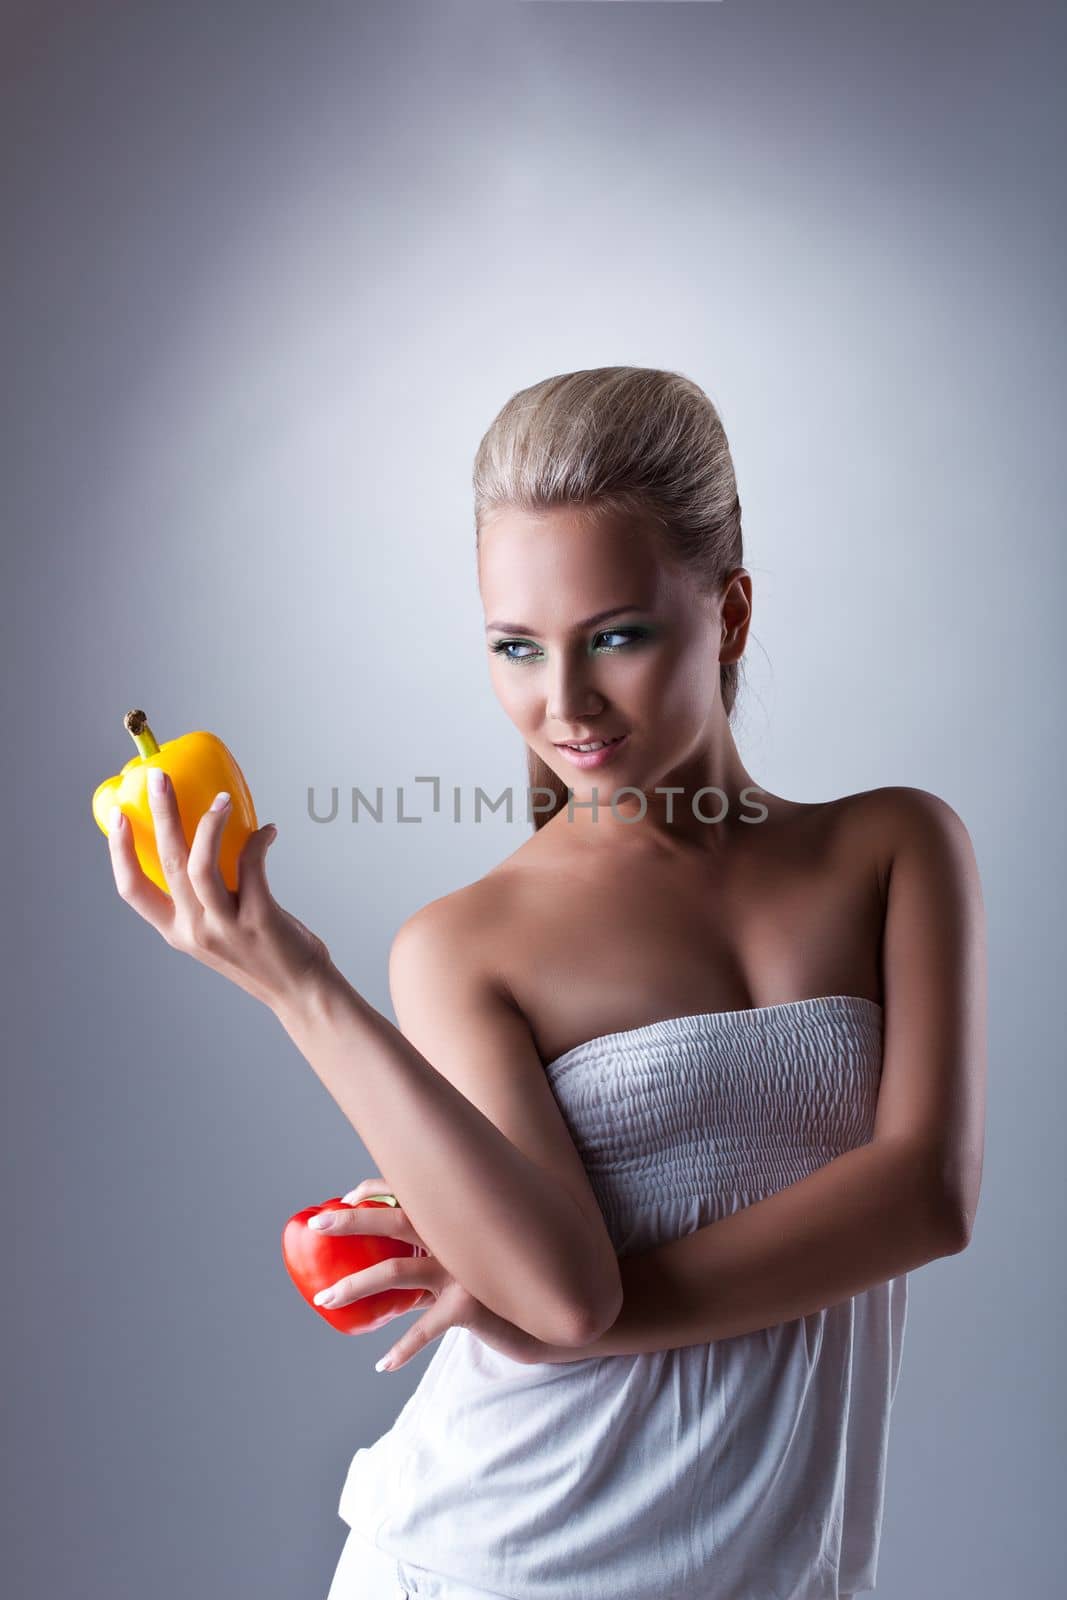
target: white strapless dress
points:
(749, 1468)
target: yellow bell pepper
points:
(199, 765)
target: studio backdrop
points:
(269, 272)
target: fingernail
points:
(351, 1197)
(221, 801)
(157, 780)
(322, 1220)
(115, 819)
(324, 1297)
(384, 1365)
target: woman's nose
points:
(572, 697)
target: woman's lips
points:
(593, 758)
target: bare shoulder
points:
(903, 802)
(460, 931)
(454, 1005)
(883, 821)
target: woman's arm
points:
(509, 1214)
(500, 1195)
(864, 1218)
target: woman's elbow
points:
(595, 1316)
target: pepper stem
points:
(136, 724)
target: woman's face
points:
(650, 672)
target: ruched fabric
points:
(749, 1468)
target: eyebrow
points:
(601, 616)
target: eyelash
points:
(630, 634)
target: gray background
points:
(269, 272)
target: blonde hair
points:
(629, 440)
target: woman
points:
(681, 1090)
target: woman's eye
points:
(504, 646)
(621, 633)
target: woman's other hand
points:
(246, 936)
(448, 1304)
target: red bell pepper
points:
(316, 1260)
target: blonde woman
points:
(681, 1091)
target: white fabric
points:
(749, 1468)
(364, 1572)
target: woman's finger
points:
(448, 1311)
(138, 891)
(365, 1188)
(395, 1272)
(431, 1325)
(377, 1188)
(254, 898)
(389, 1222)
(203, 864)
(171, 847)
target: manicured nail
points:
(324, 1297)
(322, 1220)
(157, 780)
(115, 819)
(221, 801)
(384, 1365)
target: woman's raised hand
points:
(448, 1304)
(246, 936)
